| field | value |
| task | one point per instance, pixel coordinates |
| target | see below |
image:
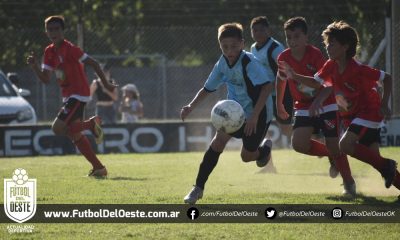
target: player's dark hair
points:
(234, 30)
(262, 20)
(296, 23)
(55, 19)
(344, 34)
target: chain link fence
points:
(167, 64)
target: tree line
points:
(21, 21)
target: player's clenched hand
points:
(386, 112)
(31, 59)
(185, 111)
(110, 86)
(315, 108)
(285, 69)
(282, 112)
(251, 125)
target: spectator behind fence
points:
(106, 99)
(131, 107)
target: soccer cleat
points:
(195, 194)
(97, 131)
(349, 189)
(99, 173)
(333, 171)
(389, 172)
(264, 160)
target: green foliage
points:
(103, 18)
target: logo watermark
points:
(20, 229)
(20, 196)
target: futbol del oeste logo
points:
(20, 196)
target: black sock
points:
(209, 162)
(263, 151)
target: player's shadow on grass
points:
(127, 179)
(360, 199)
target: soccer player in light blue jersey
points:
(248, 84)
(266, 49)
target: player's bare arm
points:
(93, 87)
(317, 104)
(200, 96)
(96, 67)
(290, 73)
(251, 122)
(112, 94)
(43, 75)
(280, 85)
(387, 90)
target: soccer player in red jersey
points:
(355, 88)
(307, 60)
(66, 59)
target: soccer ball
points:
(20, 176)
(227, 116)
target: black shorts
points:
(252, 142)
(71, 110)
(326, 122)
(366, 136)
(288, 104)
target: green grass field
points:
(166, 178)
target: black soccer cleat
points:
(263, 161)
(333, 171)
(389, 172)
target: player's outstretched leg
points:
(387, 167)
(208, 164)
(93, 124)
(210, 160)
(83, 144)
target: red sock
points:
(342, 164)
(317, 149)
(85, 148)
(77, 127)
(396, 181)
(366, 155)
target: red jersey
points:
(355, 90)
(303, 96)
(66, 61)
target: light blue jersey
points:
(268, 55)
(243, 80)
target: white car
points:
(14, 109)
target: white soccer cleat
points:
(195, 194)
(349, 189)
